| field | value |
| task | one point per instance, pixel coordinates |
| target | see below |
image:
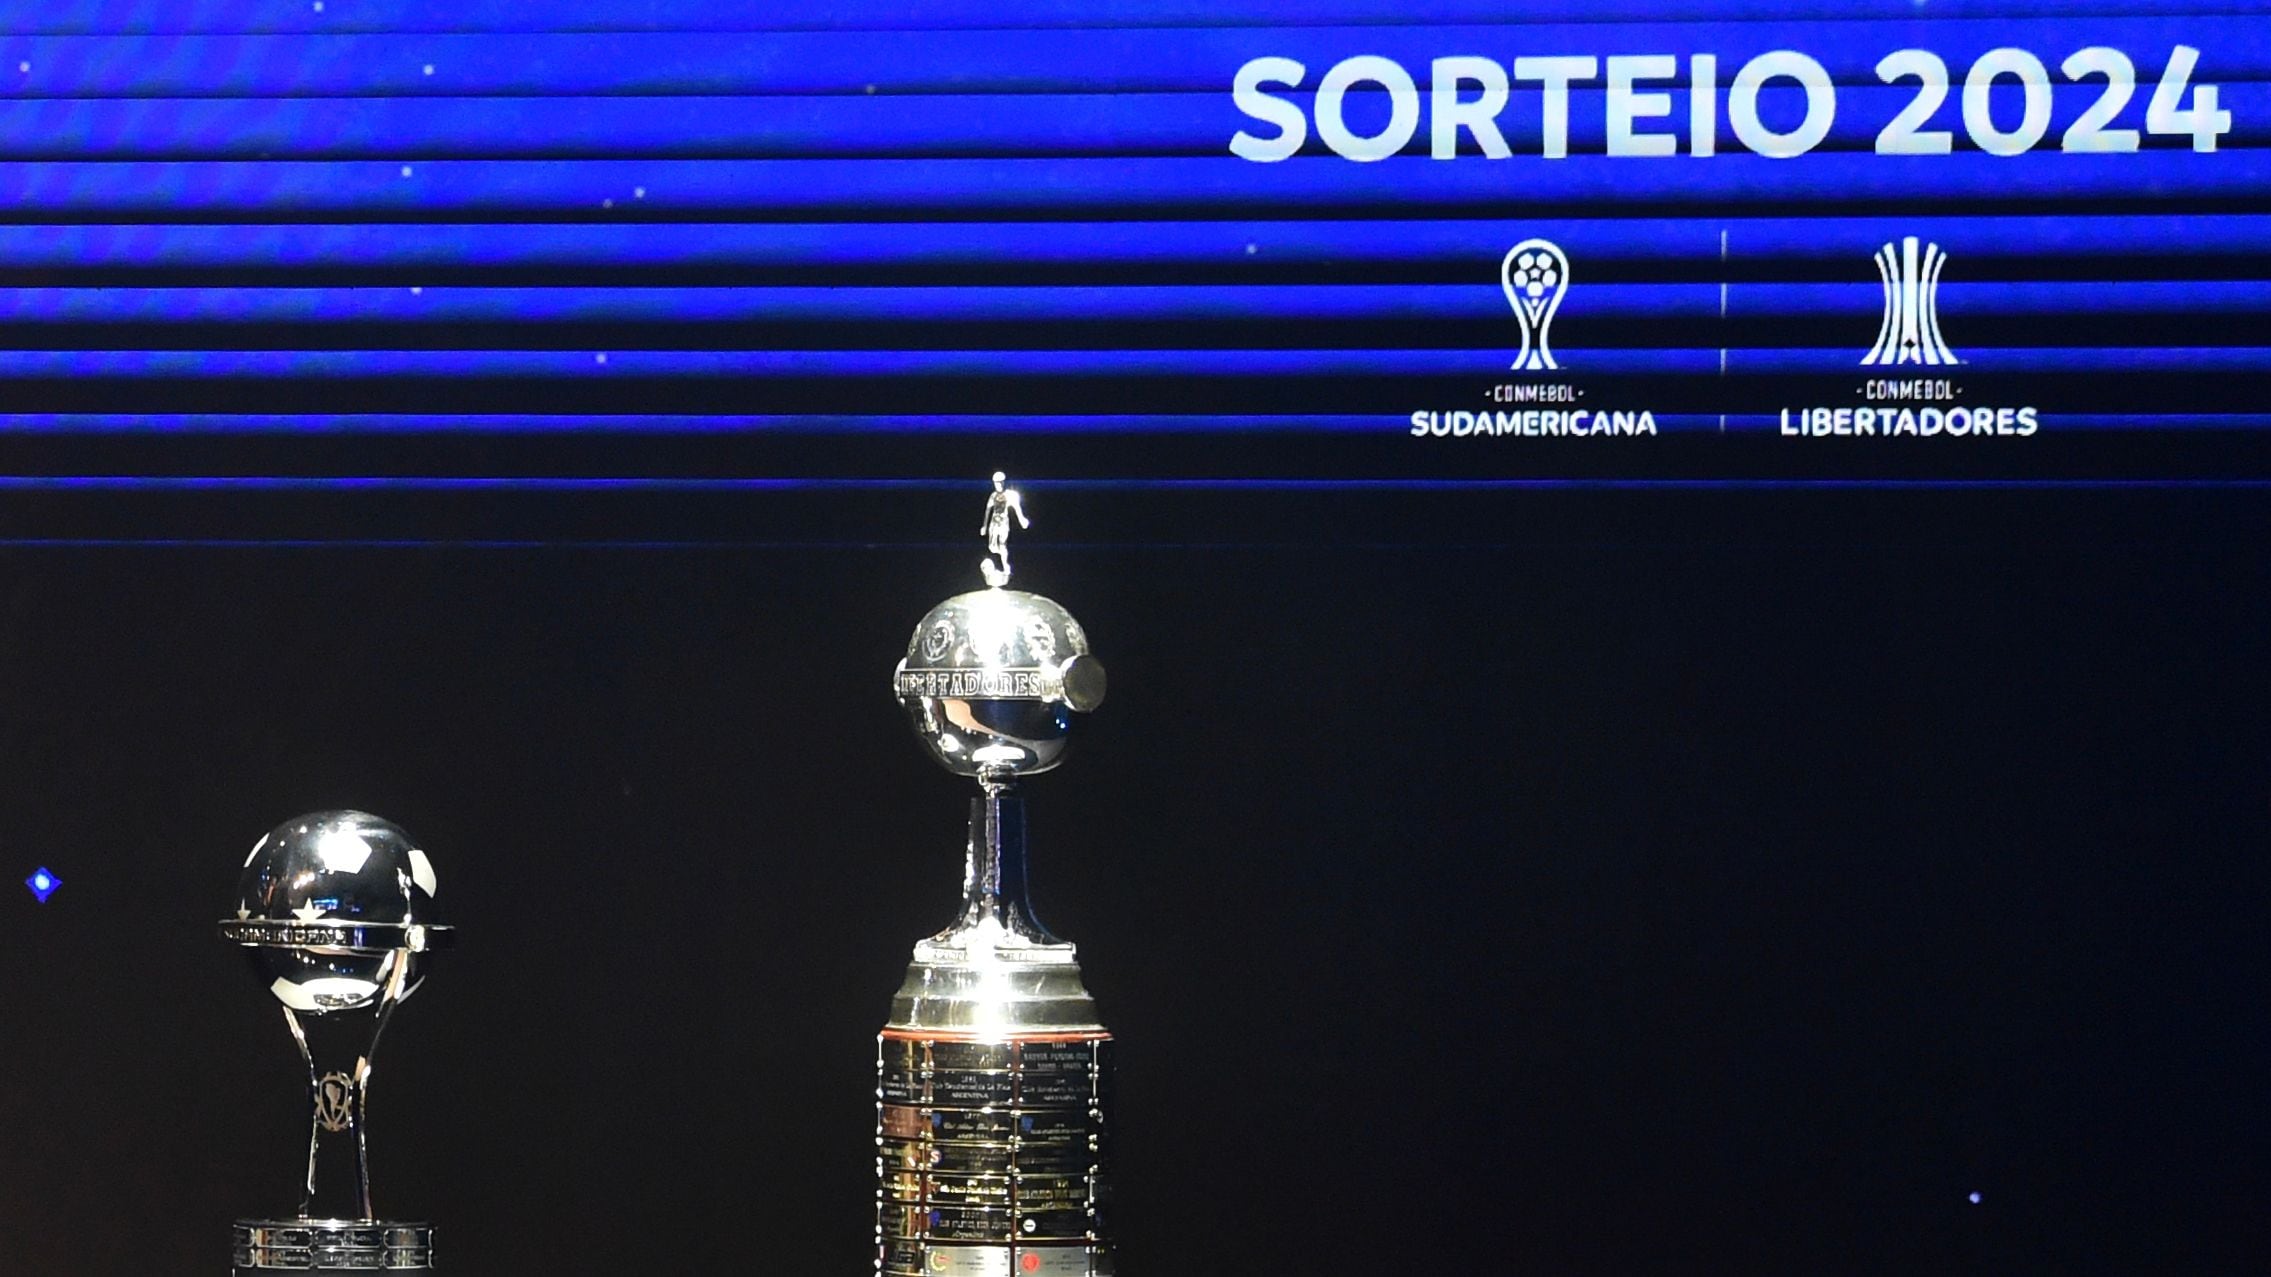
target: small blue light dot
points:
(1975, 1199)
(43, 884)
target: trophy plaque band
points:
(990, 1155)
(331, 1245)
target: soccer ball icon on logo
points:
(1534, 273)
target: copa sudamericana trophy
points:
(336, 910)
(991, 1114)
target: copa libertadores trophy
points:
(336, 910)
(993, 1073)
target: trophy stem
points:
(995, 903)
(337, 1047)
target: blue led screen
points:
(1591, 234)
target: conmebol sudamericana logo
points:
(1535, 274)
(1911, 331)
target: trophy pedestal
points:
(331, 1245)
(992, 1154)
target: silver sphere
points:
(992, 680)
(337, 908)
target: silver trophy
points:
(991, 1126)
(336, 910)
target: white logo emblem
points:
(1535, 274)
(1911, 331)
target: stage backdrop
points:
(1557, 813)
(1588, 239)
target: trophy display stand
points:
(336, 910)
(993, 1084)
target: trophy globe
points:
(336, 911)
(993, 681)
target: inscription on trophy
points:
(987, 684)
(972, 1088)
(989, 1147)
(996, 1056)
(901, 1086)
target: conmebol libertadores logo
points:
(1910, 333)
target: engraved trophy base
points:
(991, 1154)
(331, 1245)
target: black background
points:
(1557, 882)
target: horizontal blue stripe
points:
(1282, 364)
(1347, 486)
(231, 16)
(683, 423)
(819, 363)
(1129, 187)
(954, 244)
(1197, 123)
(448, 543)
(2123, 238)
(1107, 61)
(1481, 300)
(918, 426)
(1129, 303)
(1988, 361)
(2048, 301)
(459, 483)
(931, 424)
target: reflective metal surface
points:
(332, 1244)
(993, 1074)
(993, 678)
(996, 969)
(336, 910)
